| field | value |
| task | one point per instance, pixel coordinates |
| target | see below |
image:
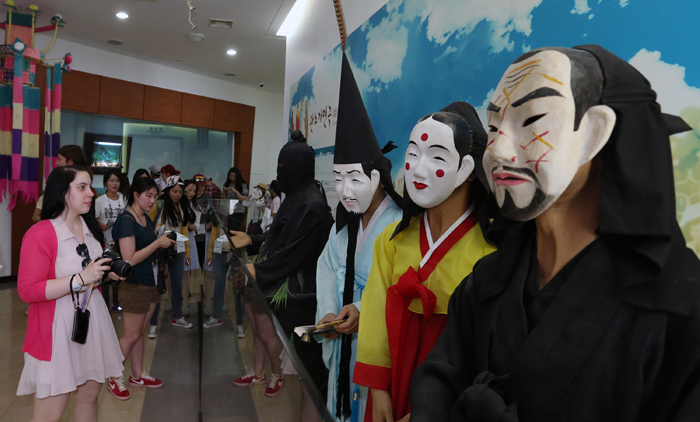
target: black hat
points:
(355, 141)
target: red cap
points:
(169, 169)
(200, 179)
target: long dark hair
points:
(194, 204)
(57, 186)
(140, 173)
(275, 187)
(140, 185)
(239, 180)
(171, 214)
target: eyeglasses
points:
(82, 250)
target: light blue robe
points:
(330, 283)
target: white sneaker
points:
(182, 323)
(240, 332)
(213, 322)
(186, 311)
(168, 306)
(152, 333)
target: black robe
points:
(290, 251)
(619, 342)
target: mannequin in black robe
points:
(289, 251)
(614, 335)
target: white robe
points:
(330, 284)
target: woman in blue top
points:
(135, 233)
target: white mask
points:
(533, 152)
(257, 193)
(432, 164)
(354, 188)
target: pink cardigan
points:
(37, 265)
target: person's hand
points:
(164, 241)
(208, 226)
(209, 261)
(331, 334)
(381, 406)
(115, 277)
(187, 262)
(192, 227)
(103, 227)
(406, 418)
(251, 269)
(95, 271)
(240, 239)
(353, 322)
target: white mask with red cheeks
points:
(433, 168)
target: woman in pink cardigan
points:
(57, 257)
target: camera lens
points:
(121, 268)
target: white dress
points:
(72, 364)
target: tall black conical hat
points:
(355, 141)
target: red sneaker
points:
(249, 379)
(118, 389)
(275, 386)
(145, 381)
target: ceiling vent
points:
(220, 23)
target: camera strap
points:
(73, 294)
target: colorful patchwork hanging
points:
(49, 163)
(20, 104)
(56, 111)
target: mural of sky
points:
(413, 57)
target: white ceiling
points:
(157, 31)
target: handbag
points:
(81, 319)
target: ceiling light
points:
(122, 15)
(230, 74)
(115, 42)
(196, 37)
(179, 60)
(231, 52)
(292, 20)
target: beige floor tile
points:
(19, 416)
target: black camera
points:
(117, 266)
(170, 251)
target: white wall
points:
(316, 35)
(267, 139)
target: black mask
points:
(295, 164)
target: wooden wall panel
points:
(244, 153)
(80, 92)
(248, 119)
(198, 111)
(121, 98)
(162, 105)
(228, 116)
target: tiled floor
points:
(173, 358)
